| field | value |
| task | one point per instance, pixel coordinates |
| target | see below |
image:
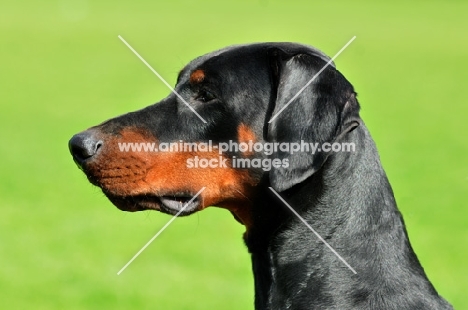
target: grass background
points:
(63, 69)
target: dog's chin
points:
(170, 204)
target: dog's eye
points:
(205, 96)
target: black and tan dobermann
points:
(344, 196)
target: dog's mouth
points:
(171, 204)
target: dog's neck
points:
(289, 261)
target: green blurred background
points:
(63, 69)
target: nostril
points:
(84, 146)
(98, 146)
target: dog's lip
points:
(171, 204)
(174, 204)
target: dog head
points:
(244, 97)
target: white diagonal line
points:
(311, 80)
(161, 78)
(308, 226)
(160, 231)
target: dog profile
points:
(255, 94)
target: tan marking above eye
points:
(197, 76)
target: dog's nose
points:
(84, 146)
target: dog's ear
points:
(323, 111)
